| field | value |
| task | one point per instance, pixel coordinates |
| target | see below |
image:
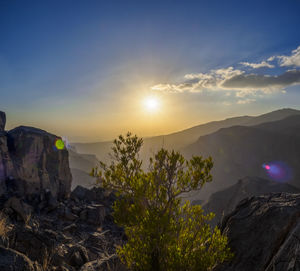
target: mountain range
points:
(184, 138)
(239, 146)
(241, 151)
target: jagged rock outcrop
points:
(2, 121)
(30, 165)
(6, 164)
(264, 234)
(48, 227)
(223, 202)
(65, 235)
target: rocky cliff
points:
(43, 226)
(31, 165)
(264, 233)
(224, 202)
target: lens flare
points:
(59, 144)
(66, 142)
(278, 171)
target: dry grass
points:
(27, 219)
(112, 263)
(3, 225)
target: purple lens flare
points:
(278, 171)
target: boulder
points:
(264, 233)
(11, 260)
(96, 214)
(77, 256)
(37, 165)
(68, 215)
(52, 202)
(21, 208)
(88, 195)
(81, 193)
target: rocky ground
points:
(43, 225)
(74, 234)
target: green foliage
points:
(163, 233)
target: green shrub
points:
(163, 232)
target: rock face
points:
(2, 121)
(264, 233)
(30, 165)
(74, 234)
(48, 228)
(223, 202)
(38, 165)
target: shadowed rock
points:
(11, 260)
(264, 234)
(30, 165)
(37, 165)
(223, 202)
(57, 237)
(2, 121)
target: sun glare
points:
(151, 104)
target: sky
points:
(84, 69)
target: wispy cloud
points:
(246, 101)
(231, 79)
(245, 86)
(262, 64)
(265, 83)
(292, 60)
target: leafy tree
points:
(163, 232)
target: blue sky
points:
(81, 68)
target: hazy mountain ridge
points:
(80, 166)
(239, 146)
(181, 139)
(241, 151)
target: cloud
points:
(173, 88)
(246, 101)
(197, 82)
(271, 58)
(283, 61)
(292, 60)
(265, 83)
(239, 85)
(258, 65)
(231, 79)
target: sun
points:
(151, 104)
